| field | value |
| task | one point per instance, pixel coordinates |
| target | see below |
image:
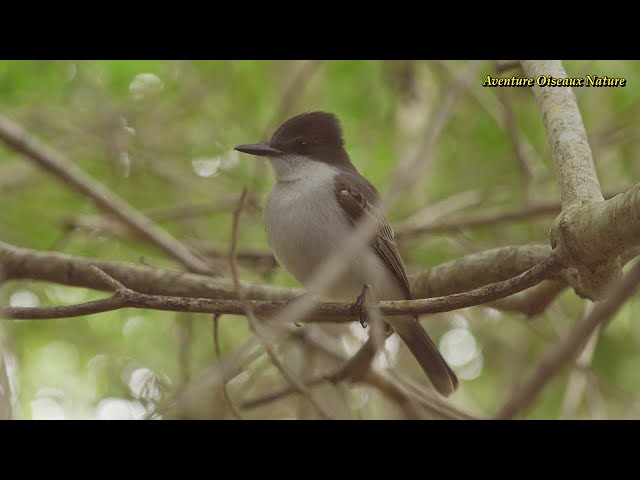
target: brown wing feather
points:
(358, 197)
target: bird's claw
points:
(357, 307)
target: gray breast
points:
(303, 221)
(305, 225)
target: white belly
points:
(305, 225)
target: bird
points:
(316, 202)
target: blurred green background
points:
(160, 134)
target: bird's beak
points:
(259, 149)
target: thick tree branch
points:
(571, 345)
(567, 137)
(591, 237)
(66, 171)
(589, 234)
(324, 312)
(23, 263)
(477, 269)
(457, 276)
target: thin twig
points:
(578, 378)
(432, 213)
(507, 65)
(412, 169)
(216, 346)
(244, 256)
(515, 136)
(409, 229)
(570, 346)
(482, 219)
(181, 212)
(184, 351)
(405, 393)
(235, 276)
(108, 279)
(488, 101)
(291, 93)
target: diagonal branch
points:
(571, 345)
(410, 228)
(66, 171)
(413, 167)
(406, 395)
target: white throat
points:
(292, 168)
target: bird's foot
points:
(357, 307)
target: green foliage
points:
(146, 137)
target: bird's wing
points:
(358, 197)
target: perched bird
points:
(318, 198)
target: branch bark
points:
(590, 234)
(323, 312)
(27, 264)
(475, 270)
(567, 136)
(456, 276)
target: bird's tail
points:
(426, 353)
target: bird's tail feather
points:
(426, 353)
